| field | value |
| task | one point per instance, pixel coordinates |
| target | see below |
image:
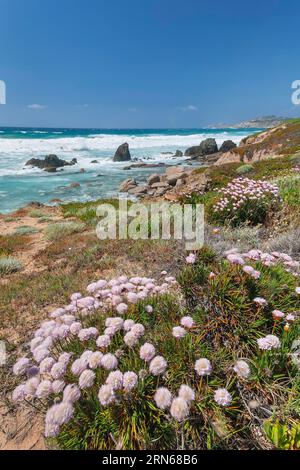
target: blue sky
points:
(147, 63)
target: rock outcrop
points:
(122, 153)
(50, 163)
(206, 147)
(227, 146)
(126, 185)
(281, 140)
(178, 153)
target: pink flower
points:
(130, 380)
(21, 366)
(203, 367)
(268, 342)
(191, 258)
(222, 397)
(115, 380)
(122, 308)
(179, 409)
(106, 395)
(187, 322)
(178, 332)
(187, 393)
(109, 361)
(147, 352)
(260, 301)
(158, 365)
(86, 379)
(71, 393)
(163, 398)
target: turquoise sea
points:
(20, 185)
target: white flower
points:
(147, 352)
(109, 361)
(86, 379)
(44, 389)
(222, 397)
(187, 393)
(103, 341)
(31, 385)
(149, 309)
(75, 328)
(78, 366)
(277, 314)
(297, 290)
(260, 301)
(106, 395)
(58, 386)
(58, 370)
(179, 409)
(130, 380)
(131, 339)
(158, 365)
(115, 379)
(138, 329)
(191, 259)
(71, 393)
(163, 398)
(178, 332)
(95, 360)
(122, 308)
(242, 369)
(268, 342)
(187, 322)
(203, 367)
(21, 366)
(128, 324)
(290, 318)
(59, 414)
(46, 365)
(19, 393)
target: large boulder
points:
(227, 146)
(207, 147)
(50, 163)
(178, 153)
(155, 178)
(122, 153)
(127, 184)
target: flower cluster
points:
(246, 200)
(49, 373)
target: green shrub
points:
(244, 169)
(26, 230)
(36, 213)
(289, 189)
(62, 229)
(9, 265)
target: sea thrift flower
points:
(222, 397)
(268, 342)
(179, 409)
(115, 380)
(131, 339)
(128, 324)
(78, 366)
(103, 341)
(242, 369)
(51, 430)
(21, 366)
(46, 365)
(147, 352)
(44, 389)
(86, 379)
(277, 314)
(76, 296)
(87, 333)
(187, 393)
(19, 393)
(138, 329)
(75, 328)
(122, 308)
(178, 332)
(106, 395)
(64, 358)
(158, 365)
(115, 322)
(187, 322)
(149, 308)
(31, 385)
(211, 275)
(60, 414)
(203, 367)
(297, 290)
(260, 301)
(132, 298)
(290, 318)
(71, 393)
(109, 361)
(191, 258)
(58, 370)
(40, 353)
(130, 380)
(95, 360)
(162, 398)
(58, 386)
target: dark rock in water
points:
(50, 163)
(143, 165)
(178, 153)
(122, 154)
(74, 185)
(99, 175)
(207, 147)
(166, 153)
(82, 170)
(55, 200)
(94, 161)
(227, 146)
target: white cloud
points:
(36, 106)
(189, 107)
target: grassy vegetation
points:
(26, 230)
(60, 230)
(10, 244)
(9, 264)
